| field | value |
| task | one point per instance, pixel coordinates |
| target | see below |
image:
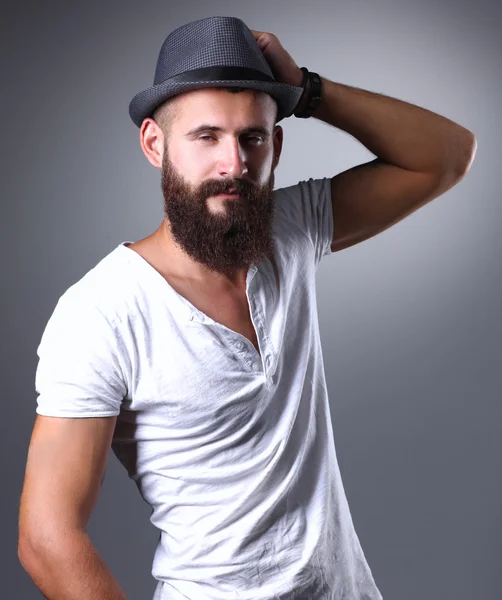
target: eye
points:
(254, 139)
(205, 137)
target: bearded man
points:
(195, 352)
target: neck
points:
(179, 264)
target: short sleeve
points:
(79, 369)
(307, 205)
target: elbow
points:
(29, 543)
(466, 149)
(27, 553)
(36, 550)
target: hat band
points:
(221, 74)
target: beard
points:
(236, 237)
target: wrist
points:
(312, 93)
(298, 78)
(304, 99)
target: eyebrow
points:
(206, 127)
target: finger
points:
(260, 37)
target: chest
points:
(230, 309)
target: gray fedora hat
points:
(212, 52)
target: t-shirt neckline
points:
(189, 310)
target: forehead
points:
(218, 104)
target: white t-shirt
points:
(232, 449)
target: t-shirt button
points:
(256, 366)
(240, 345)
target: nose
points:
(232, 160)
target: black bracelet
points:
(311, 97)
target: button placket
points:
(256, 321)
(260, 361)
(244, 352)
(267, 354)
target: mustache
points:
(227, 186)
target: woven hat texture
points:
(211, 52)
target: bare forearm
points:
(70, 568)
(399, 133)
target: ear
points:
(151, 139)
(277, 142)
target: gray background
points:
(410, 319)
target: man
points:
(196, 350)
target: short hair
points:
(165, 114)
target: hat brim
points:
(145, 102)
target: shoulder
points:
(303, 201)
(101, 291)
(304, 205)
(303, 216)
(305, 187)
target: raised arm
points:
(420, 154)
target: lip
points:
(229, 195)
